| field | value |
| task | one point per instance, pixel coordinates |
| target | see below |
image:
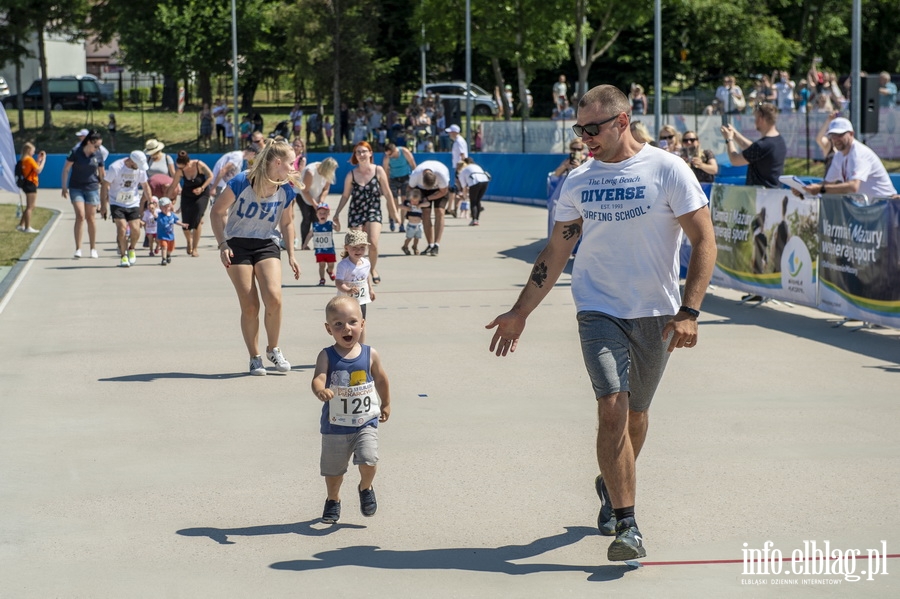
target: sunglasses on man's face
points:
(592, 129)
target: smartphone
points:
(663, 144)
(725, 121)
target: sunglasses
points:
(667, 137)
(592, 129)
(688, 140)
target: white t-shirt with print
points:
(125, 184)
(627, 264)
(863, 165)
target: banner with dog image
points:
(766, 241)
(859, 263)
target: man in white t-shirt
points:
(630, 206)
(459, 151)
(855, 167)
(432, 178)
(123, 191)
(227, 166)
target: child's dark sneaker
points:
(332, 512)
(367, 503)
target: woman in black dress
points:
(195, 178)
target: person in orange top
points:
(31, 168)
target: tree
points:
(602, 22)
(179, 37)
(527, 34)
(42, 17)
(334, 45)
(13, 33)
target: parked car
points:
(4, 88)
(65, 92)
(483, 103)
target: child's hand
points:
(385, 413)
(325, 395)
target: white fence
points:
(798, 130)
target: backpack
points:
(20, 175)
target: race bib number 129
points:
(354, 406)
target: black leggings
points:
(476, 192)
(307, 216)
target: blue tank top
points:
(399, 166)
(342, 371)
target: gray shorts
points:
(337, 449)
(624, 355)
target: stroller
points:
(283, 129)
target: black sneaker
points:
(606, 520)
(367, 503)
(427, 250)
(332, 512)
(629, 543)
(435, 249)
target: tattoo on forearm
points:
(539, 274)
(570, 231)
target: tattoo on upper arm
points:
(570, 231)
(539, 274)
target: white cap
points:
(164, 201)
(453, 129)
(839, 125)
(139, 159)
(82, 133)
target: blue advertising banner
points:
(859, 267)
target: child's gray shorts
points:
(337, 449)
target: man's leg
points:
(428, 228)
(121, 239)
(615, 452)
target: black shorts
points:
(438, 203)
(29, 187)
(398, 186)
(120, 212)
(247, 250)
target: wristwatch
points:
(691, 311)
(822, 188)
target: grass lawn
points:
(13, 243)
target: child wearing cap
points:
(165, 229)
(322, 235)
(353, 276)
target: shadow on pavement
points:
(475, 559)
(149, 377)
(877, 346)
(220, 535)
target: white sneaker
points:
(124, 262)
(77, 253)
(20, 228)
(31, 230)
(256, 366)
(275, 357)
(94, 254)
(296, 244)
(132, 258)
